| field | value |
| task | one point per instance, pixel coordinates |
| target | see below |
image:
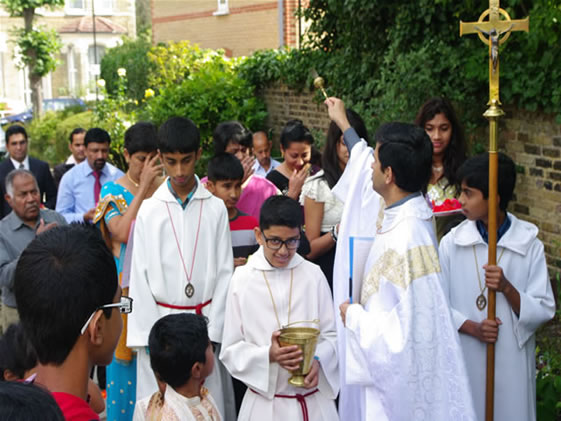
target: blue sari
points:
(121, 373)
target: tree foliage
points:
(37, 48)
(45, 43)
(411, 50)
(386, 58)
(16, 8)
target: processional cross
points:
(493, 32)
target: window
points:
(222, 8)
(75, 7)
(103, 7)
(94, 61)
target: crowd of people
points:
(181, 286)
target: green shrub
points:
(132, 56)
(211, 93)
(48, 136)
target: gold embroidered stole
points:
(400, 269)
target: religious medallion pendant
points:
(190, 290)
(481, 302)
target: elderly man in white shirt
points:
(262, 146)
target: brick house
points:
(76, 73)
(238, 26)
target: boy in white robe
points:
(524, 296)
(182, 257)
(181, 356)
(402, 351)
(276, 288)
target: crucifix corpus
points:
(493, 32)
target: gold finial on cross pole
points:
(493, 32)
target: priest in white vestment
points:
(263, 298)
(362, 214)
(172, 244)
(520, 254)
(402, 351)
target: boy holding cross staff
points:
(498, 30)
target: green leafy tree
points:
(38, 47)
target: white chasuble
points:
(402, 348)
(521, 256)
(362, 212)
(171, 246)
(250, 321)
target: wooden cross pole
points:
(493, 32)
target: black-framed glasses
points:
(277, 243)
(125, 307)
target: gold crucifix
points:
(497, 31)
(494, 28)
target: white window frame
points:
(106, 9)
(222, 8)
(76, 11)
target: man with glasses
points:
(69, 301)
(277, 288)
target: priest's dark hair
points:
(17, 356)
(330, 159)
(21, 401)
(141, 137)
(407, 149)
(455, 153)
(231, 132)
(61, 278)
(224, 166)
(475, 173)
(178, 134)
(295, 131)
(96, 135)
(281, 211)
(176, 343)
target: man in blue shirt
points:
(79, 188)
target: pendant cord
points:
(482, 289)
(273, 300)
(196, 242)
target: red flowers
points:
(446, 206)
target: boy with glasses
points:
(70, 311)
(277, 288)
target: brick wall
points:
(284, 104)
(533, 140)
(250, 24)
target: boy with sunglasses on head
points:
(70, 313)
(277, 288)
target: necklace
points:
(438, 169)
(481, 301)
(189, 288)
(273, 300)
(135, 184)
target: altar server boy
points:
(182, 257)
(277, 288)
(520, 278)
